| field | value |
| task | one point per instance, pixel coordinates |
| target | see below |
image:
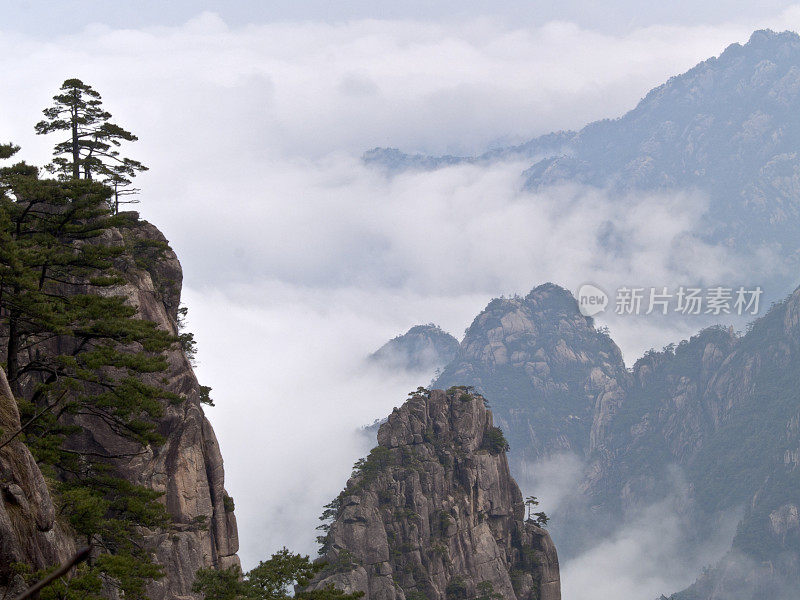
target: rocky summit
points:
(543, 366)
(433, 512)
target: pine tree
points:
(273, 579)
(90, 150)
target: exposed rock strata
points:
(433, 513)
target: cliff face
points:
(544, 368)
(434, 513)
(750, 459)
(187, 467)
(665, 416)
(29, 531)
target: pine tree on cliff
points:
(74, 348)
(272, 579)
(90, 150)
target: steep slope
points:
(725, 410)
(544, 368)
(433, 512)
(423, 347)
(750, 459)
(187, 468)
(664, 418)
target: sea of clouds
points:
(299, 260)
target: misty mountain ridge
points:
(393, 160)
(421, 348)
(727, 127)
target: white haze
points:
(647, 555)
(299, 261)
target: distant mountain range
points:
(729, 127)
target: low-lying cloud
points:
(650, 550)
(649, 555)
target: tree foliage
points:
(273, 579)
(486, 591)
(90, 148)
(541, 519)
(494, 441)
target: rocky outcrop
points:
(433, 512)
(29, 531)
(421, 348)
(187, 468)
(544, 368)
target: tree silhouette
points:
(90, 149)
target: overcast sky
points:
(299, 260)
(43, 19)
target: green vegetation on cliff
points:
(75, 350)
(273, 579)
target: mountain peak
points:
(423, 347)
(538, 355)
(552, 296)
(768, 37)
(433, 512)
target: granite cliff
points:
(29, 531)
(545, 369)
(187, 468)
(433, 512)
